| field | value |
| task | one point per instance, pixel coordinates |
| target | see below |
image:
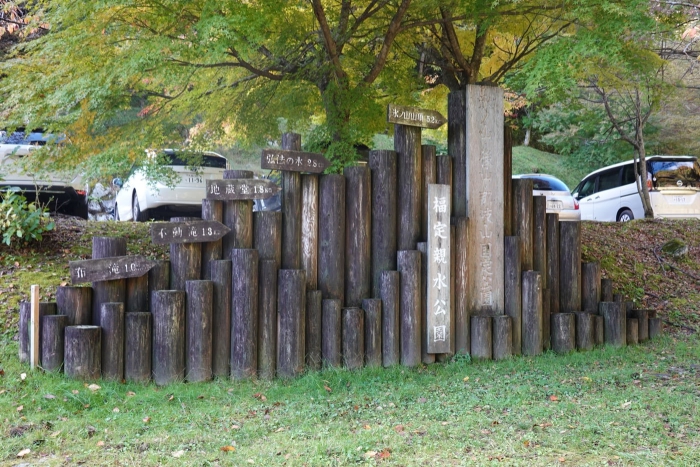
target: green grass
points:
(530, 160)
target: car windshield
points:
(548, 184)
(196, 160)
(675, 173)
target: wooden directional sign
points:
(163, 233)
(413, 116)
(295, 161)
(106, 269)
(240, 188)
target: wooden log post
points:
(372, 308)
(409, 266)
(443, 174)
(137, 346)
(632, 331)
(457, 148)
(358, 235)
(222, 280)
(523, 212)
(291, 208)
(481, 337)
(212, 210)
(238, 216)
(564, 332)
(185, 260)
(407, 144)
(331, 341)
(389, 292)
(553, 262)
(353, 337)
(136, 294)
(25, 310)
(75, 303)
(507, 181)
(606, 290)
(502, 337)
(267, 235)
(590, 287)
(462, 312)
(331, 235)
(112, 323)
(244, 313)
(599, 331)
(314, 324)
(539, 237)
(428, 177)
(546, 320)
(113, 291)
(513, 292)
(585, 331)
(570, 266)
(52, 341)
(198, 334)
(168, 361)
(384, 215)
(615, 323)
(83, 352)
(426, 357)
(654, 328)
(532, 313)
(309, 230)
(267, 315)
(630, 306)
(642, 317)
(158, 279)
(291, 304)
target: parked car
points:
(61, 192)
(140, 198)
(559, 198)
(611, 194)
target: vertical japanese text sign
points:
(438, 297)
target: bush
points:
(22, 221)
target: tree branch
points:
(391, 34)
(328, 40)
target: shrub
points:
(22, 221)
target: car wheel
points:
(625, 216)
(136, 214)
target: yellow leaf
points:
(228, 449)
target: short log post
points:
(168, 308)
(513, 294)
(615, 323)
(570, 266)
(532, 313)
(113, 291)
(585, 331)
(267, 235)
(222, 280)
(632, 331)
(244, 313)
(309, 229)
(539, 237)
(523, 211)
(185, 261)
(353, 337)
(158, 278)
(384, 215)
(428, 176)
(599, 332)
(83, 352)
(314, 322)
(409, 266)
(137, 346)
(553, 262)
(502, 337)
(291, 208)
(267, 318)
(462, 327)
(590, 287)
(198, 335)
(564, 332)
(642, 317)
(136, 294)
(358, 213)
(238, 216)
(606, 290)
(654, 327)
(25, 310)
(389, 292)
(212, 210)
(112, 323)
(331, 236)
(75, 303)
(373, 331)
(407, 144)
(481, 337)
(331, 343)
(426, 358)
(291, 303)
(52, 341)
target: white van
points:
(610, 194)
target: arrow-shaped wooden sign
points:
(106, 269)
(163, 233)
(240, 189)
(295, 161)
(414, 116)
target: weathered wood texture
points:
(353, 338)
(373, 331)
(606, 290)
(384, 214)
(426, 357)
(158, 278)
(563, 332)
(642, 317)
(523, 212)
(137, 346)
(198, 335)
(437, 301)
(194, 230)
(291, 208)
(414, 116)
(590, 287)
(222, 280)
(293, 160)
(309, 229)
(632, 331)
(630, 306)
(331, 341)
(546, 320)
(168, 360)
(389, 292)
(585, 331)
(52, 341)
(539, 237)
(502, 337)
(244, 313)
(481, 337)
(112, 323)
(314, 322)
(358, 235)
(267, 238)
(513, 294)
(409, 266)
(507, 181)
(75, 303)
(457, 148)
(462, 313)
(107, 291)
(599, 331)
(291, 303)
(428, 177)
(407, 144)
(331, 235)
(238, 216)
(107, 269)
(443, 174)
(185, 261)
(484, 137)
(655, 328)
(267, 314)
(570, 267)
(212, 210)
(136, 294)
(83, 352)
(25, 310)
(553, 262)
(615, 323)
(243, 189)
(532, 313)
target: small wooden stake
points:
(34, 328)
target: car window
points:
(548, 184)
(669, 173)
(609, 179)
(628, 174)
(587, 187)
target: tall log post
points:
(222, 280)
(113, 291)
(457, 148)
(358, 235)
(353, 337)
(373, 331)
(267, 328)
(158, 279)
(443, 175)
(428, 176)
(309, 229)
(553, 262)
(563, 332)
(507, 181)
(539, 237)
(314, 323)
(244, 313)
(168, 361)
(291, 304)
(267, 235)
(331, 235)
(389, 292)
(585, 331)
(606, 290)
(426, 357)
(481, 337)
(212, 210)
(291, 208)
(462, 326)
(52, 341)
(570, 266)
(112, 323)
(238, 216)
(546, 320)
(590, 287)
(523, 212)
(331, 341)
(136, 294)
(502, 337)
(407, 144)
(137, 346)
(384, 215)
(615, 323)
(75, 303)
(83, 352)
(513, 293)
(532, 313)
(198, 335)
(409, 266)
